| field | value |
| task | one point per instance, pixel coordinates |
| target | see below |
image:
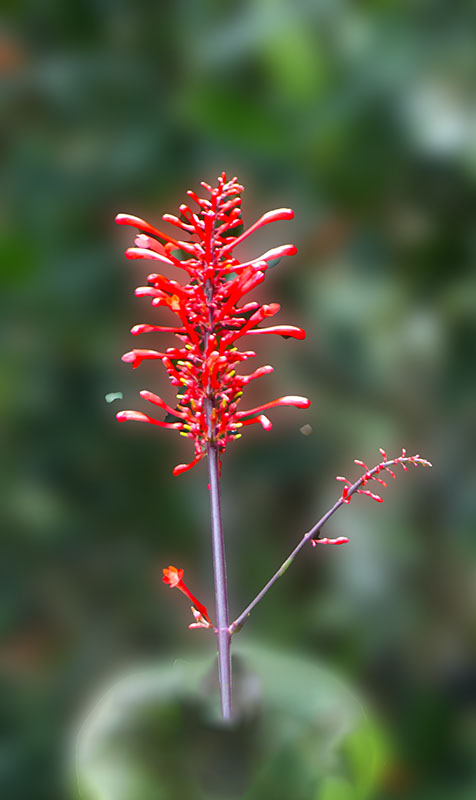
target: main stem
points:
(221, 594)
(219, 562)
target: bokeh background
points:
(362, 117)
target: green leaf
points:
(300, 732)
(336, 789)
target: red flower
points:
(212, 316)
(173, 578)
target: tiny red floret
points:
(173, 577)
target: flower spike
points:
(212, 316)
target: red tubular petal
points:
(261, 418)
(265, 311)
(289, 400)
(258, 373)
(259, 315)
(173, 374)
(201, 608)
(253, 281)
(279, 252)
(149, 243)
(185, 467)
(325, 540)
(148, 291)
(138, 416)
(142, 225)
(157, 401)
(178, 222)
(270, 255)
(142, 252)
(375, 497)
(189, 247)
(280, 330)
(144, 328)
(205, 204)
(135, 357)
(270, 216)
(165, 284)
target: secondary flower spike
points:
(212, 316)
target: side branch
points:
(349, 490)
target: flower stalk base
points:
(221, 593)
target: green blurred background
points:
(361, 117)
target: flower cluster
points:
(370, 474)
(212, 316)
(373, 473)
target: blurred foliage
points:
(360, 116)
(299, 732)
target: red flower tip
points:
(157, 401)
(292, 400)
(270, 216)
(135, 357)
(262, 419)
(185, 467)
(289, 400)
(172, 576)
(325, 540)
(144, 241)
(278, 214)
(288, 331)
(143, 252)
(279, 252)
(142, 225)
(138, 416)
(265, 422)
(271, 309)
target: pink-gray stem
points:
(221, 595)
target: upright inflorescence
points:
(212, 317)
